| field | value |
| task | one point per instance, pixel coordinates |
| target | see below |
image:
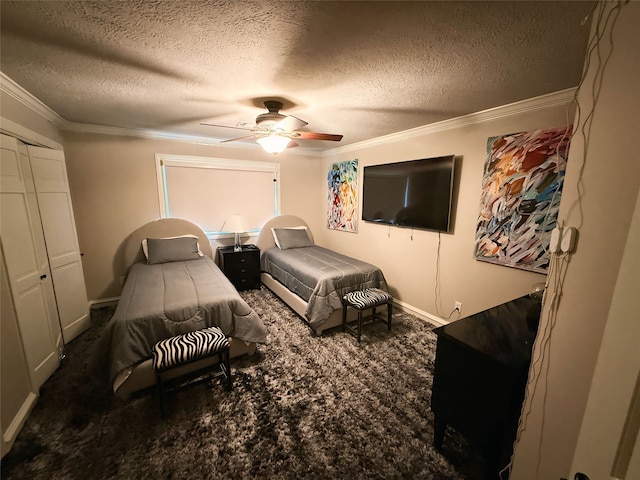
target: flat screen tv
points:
(415, 193)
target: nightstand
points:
(242, 268)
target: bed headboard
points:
(265, 239)
(163, 227)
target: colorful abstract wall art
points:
(520, 198)
(342, 200)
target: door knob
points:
(42, 277)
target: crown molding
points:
(26, 135)
(563, 97)
(163, 135)
(11, 88)
(555, 99)
(138, 132)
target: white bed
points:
(301, 306)
(141, 375)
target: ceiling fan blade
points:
(237, 138)
(318, 136)
(291, 123)
(225, 126)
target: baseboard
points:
(421, 314)
(103, 302)
(9, 436)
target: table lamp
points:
(236, 224)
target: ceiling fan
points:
(275, 131)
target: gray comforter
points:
(321, 277)
(168, 299)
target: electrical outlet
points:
(459, 306)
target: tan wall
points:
(410, 264)
(114, 191)
(611, 181)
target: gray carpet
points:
(301, 407)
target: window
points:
(207, 191)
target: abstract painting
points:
(342, 200)
(520, 198)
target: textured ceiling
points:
(361, 69)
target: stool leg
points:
(344, 318)
(389, 315)
(359, 324)
(227, 365)
(160, 394)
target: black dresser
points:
(241, 268)
(481, 369)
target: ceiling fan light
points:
(274, 143)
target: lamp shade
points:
(274, 143)
(235, 223)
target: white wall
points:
(409, 264)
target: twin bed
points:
(173, 286)
(177, 289)
(308, 278)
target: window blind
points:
(207, 191)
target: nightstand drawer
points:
(245, 282)
(242, 270)
(240, 259)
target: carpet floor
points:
(302, 407)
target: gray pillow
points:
(162, 250)
(291, 238)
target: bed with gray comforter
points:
(320, 276)
(167, 299)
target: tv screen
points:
(414, 193)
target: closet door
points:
(17, 395)
(56, 212)
(26, 278)
(41, 249)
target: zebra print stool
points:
(363, 300)
(170, 354)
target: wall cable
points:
(436, 289)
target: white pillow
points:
(145, 248)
